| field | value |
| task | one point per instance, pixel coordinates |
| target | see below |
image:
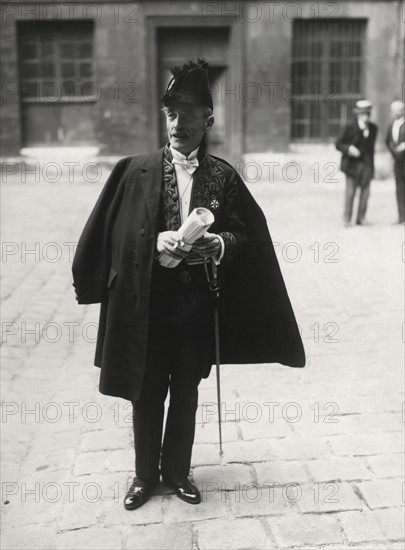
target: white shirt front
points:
(396, 126)
(185, 186)
(184, 181)
(363, 127)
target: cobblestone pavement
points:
(312, 457)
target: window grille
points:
(56, 61)
(327, 76)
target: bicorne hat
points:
(189, 84)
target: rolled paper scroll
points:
(194, 227)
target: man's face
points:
(397, 110)
(364, 117)
(186, 125)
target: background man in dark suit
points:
(395, 141)
(155, 332)
(357, 143)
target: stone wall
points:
(124, 65)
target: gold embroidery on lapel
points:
(209, 181)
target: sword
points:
(214, 287)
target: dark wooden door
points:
(178, 44)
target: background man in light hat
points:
(156, 324)
(395, 141)
(357, 143)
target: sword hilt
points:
(212, 277)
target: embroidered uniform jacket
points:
(115, 255)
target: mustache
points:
(179, 133)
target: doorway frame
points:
(235, 55)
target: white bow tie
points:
(190, 165)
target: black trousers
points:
(399, 169)
(178, 346)
(359, 181)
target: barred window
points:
(56, 61)
(327, 75)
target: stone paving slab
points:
(213, 505)
(295, 440)
(27, 537)
(281, 472)
(376, 546)
(208, 432)
(114, 515)
(297, 530)
(301, 449)
(262, 501)
(367, 444)
(249, 451)
(227, 535)
(164, 537)
(205, 454)
(93, 538)
(339, 468)
(382, 493)
(392, 522)
(362, 527)
(391, 465)
(327, 497)
(225, 478)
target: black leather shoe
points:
(186, 490)
(137, 494)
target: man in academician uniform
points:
(357, 143)
(395, 141)
(156, 330)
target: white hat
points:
(363, 106)
(397, 104)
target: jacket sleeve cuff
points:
(218, 259)
(230, 245)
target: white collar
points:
(179, 155)
(362, 125)
(399, 121)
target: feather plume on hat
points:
(189, 84)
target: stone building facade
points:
(284, 74)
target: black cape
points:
(113, 265)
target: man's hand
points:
(353, 151)
(401, 147)
(207, 246)
(169, 243)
